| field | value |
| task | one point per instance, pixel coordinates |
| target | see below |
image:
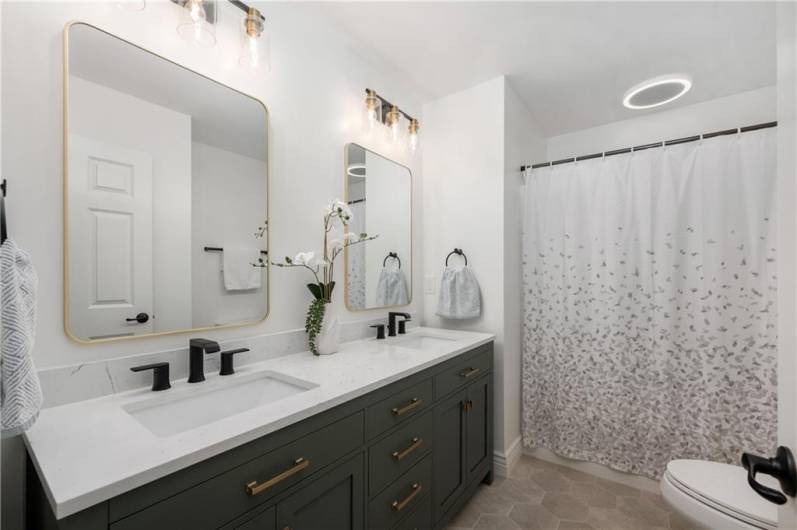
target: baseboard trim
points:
(599, 470)
(504, 462)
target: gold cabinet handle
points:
(400, 455)
(413, 404)
(400, 505)
(467, 406)
(300, 464)
(470, 372)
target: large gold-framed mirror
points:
(165, 195)
(379, 193)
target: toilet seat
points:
(717, 495)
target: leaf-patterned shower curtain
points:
(650, 305)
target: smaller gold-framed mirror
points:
(165, 195)
(379, 193)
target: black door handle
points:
(141, 318)
(781, 467)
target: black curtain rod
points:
(684, 140)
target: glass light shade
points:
(393, 123)
(131, 5)
(412, 134)
(194, 26)
(373, 111)
(255, 44)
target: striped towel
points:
(20, 392)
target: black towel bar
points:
(221, 249)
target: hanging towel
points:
(20, 392)
(391, 288)
(238, 269)
(460, 297)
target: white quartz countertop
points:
(90, 451)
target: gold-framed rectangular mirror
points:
(165, 195)
(379, 193)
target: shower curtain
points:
(650, 305)
(356, 259)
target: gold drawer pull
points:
(414, 404)
(300, 464)
(416, 443)
(398, 506)
(470, 372)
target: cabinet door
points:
(335, 501)
(264, 521)
(478, 440)
(449, 453)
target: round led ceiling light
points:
(657, 91)
(356, 170)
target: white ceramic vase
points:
(328, 340)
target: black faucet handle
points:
(160, 375)
(226, 360)
(206, 345)
(402, 326)
(380, 331)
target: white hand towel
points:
(460, 296)
(239, 272)
(20, 391)
(391, 288)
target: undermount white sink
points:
(423, 342)
(165, 414)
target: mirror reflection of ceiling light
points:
(356, 170)
(657, 91)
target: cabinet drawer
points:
(221, 499)
(463, 372)
(398, 452)
(265, 521)
(407, 492)
(421, 519)
(397, 408)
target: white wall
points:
(738, 110)
(166, 136)
(314, 93)
(463, 167)
(228, 204)
(522, 139)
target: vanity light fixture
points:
(413, 134)
(657, 91)
(255, 47)
(374, 114)
(197, 23)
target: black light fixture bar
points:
(212, 16)
(684, 140)
(385, 104)
(245, 8)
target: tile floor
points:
(543, 496)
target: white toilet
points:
(717, 496)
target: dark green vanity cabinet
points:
(406, 456)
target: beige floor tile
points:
(533, 517)
(520, 490)
(594, 495)
(565, 506)
(549, 480)
(496, 522)
(644, 511)
(618, 489)
(571, 525)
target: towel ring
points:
(457, 251)
(391, 255)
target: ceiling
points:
(570, 62)
(220, 116)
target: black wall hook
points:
(457, 251)
(3, 229)
(391, 255)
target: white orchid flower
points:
(305, 258)
(335, 244)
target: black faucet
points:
(196, 358)
(391, 323)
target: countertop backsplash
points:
(67, 384)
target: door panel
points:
(449, 453)
(477, 428)
(335, 501)
(110, 231)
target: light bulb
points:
(413, 134)
(393, 118)
(195, 11)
